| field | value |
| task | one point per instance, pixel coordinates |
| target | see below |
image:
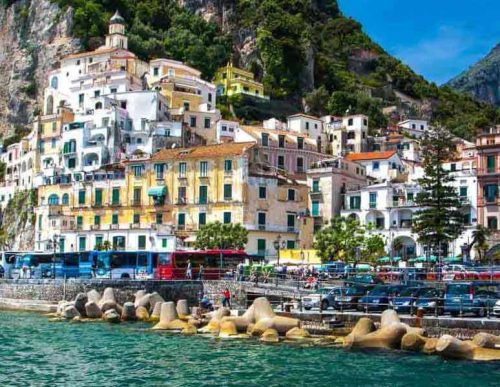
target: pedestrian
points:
(240, 271)
(200, 272)
(226, 298)
(189, 270)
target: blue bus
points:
(73, 265)
(123, 264)
(31, 265)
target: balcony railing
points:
(114, 226)
(135, 226)
(94, 227)
(136, 202)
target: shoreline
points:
(23, 305)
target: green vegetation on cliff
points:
(301, 49)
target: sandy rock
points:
(270, 336)
(227, 329)
(92, 310)
(138, 295)
(93, 296)
(452, 348)
(80, 301)
(128, 312)
(142, 314)
(70, 312)
(216, 316)
(430, 346)
(154, 299)
(111, 316)
(486, 340)
(155, 316)
(182, 309)
(143, 301)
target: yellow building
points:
(231, 80)
(149, 202)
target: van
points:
(475, 297)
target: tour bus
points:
(123, 264)
(72, 265)
(8, 261)
(216, 263)
(32, 265)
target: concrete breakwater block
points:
(128, 312)
(142, 313)
(80, 300)
(182, 309)
(92, 310)
(169, 320)
(93, 296)
(111, 316)
(70, 312)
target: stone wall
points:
(54, 291)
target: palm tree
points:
(480, 239)
(106, 245)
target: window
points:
(209, 97)
(186, 106)
(54, 127)
(114, 219)
(202, 219)
(203, 194)
(281, 141)
(315, 208)
(281, 162)
(136, 219)
(227, 217)
(181, 220)
(97, 220)
(81, 197)
(453, 167)
(291, 195)
(159, 171)
(365, 122)
(413, 126)
(315, 185)
(376, 165)
(53, 200)
(207, 123)
(82, 243)
(307, 125)
(192, 121)
(492, 223)
(53, 143)
(203, 168)
(373, 200)
(137, 170)
(228, 165)
(290, 222)
(137, 196)
(463, 192)
(261, 247)
(228, 191)
(490, 192)
(159, 218)
(181, 194)
(300, 164)
(141, 242)
(65, 199)
(490, 162)
(354, 202)
(98, 197)
(182, 169)
(81, 98)
(290, 244)
(350, 122)
(261, 220)
(264, 139)
(156, 71)
(97, 93)
(115, 196)
(98, 240)
(351, 135)
(262, 192)
(113, 90)
(409, 196)
(164, 243)
(300, 142)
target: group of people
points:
(189, 271)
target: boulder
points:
(108, 300)
(154, 299)
(413, 342)
(80, 301)
(169, 319)
(155, 316)
(182, 309)
(70, 312)
(189, 330)
(92, 310)
(227, 329)
(111, 316)
(297, 334)
(486, 340)
(138, 295)
(93, 296)
(270, 336)
(143, 301)
(128, 312)
(213, 325)
(430, 346)
(141, 313)
(62, 305)
(452, 348)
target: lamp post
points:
(53, 244)
(278, 245)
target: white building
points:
(305, 124)
(415, 128)
(383, 166)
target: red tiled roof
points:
(370, 155)
(219, 150)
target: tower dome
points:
(117, 18)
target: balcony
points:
(97, 204)
(136, 202)
(402, 203)
(182, 201)
(114, 226)
(373, 205)
(95, 227)
(115, 204)
(55, 210)
(135, 226)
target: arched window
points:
(54, 199)
(98, 105)
(23, 167)
(30, 164)
(49, 107)
(54, 83)
(65, 199)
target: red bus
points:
(215, 263)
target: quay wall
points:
(54, 291)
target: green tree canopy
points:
(221, 236)
(440, 220)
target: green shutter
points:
(82, 243)
(315, 208)
(491, 163)
(114, 219)
(79, 220)
(228, 191)
(98, 196)
(116, 196)
(227, 217)
(81, 197)
(181, 219)
(203, 194)
(142, 242)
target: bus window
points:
(11, 259)
(103, 261)
(84, 257)
(71, 259)
(142, 259)
(164, 259)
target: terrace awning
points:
(157, 191)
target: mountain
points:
(481, 80)
(308, 55)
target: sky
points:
(437, 38)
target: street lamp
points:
(278, 245)
(53, 245)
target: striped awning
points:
(157, 191)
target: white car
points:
(496, 309)
(324, 297)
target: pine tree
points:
(439, 221)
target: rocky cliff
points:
(482, 80)
(17, 222)
(34, 35)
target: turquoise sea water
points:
(34, 351)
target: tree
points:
(439, 221)
(373, 248)
(339, 239)
(480, 240)
(106, 245)
(221, 236)
(316, 101)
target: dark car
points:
(405, 301)
(431, 301)
(325, 298)
(366, 279)
(379, 297)
(475, 297)
(349, 297)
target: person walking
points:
(240, 271)
(189, 270)
(226, 298)
(200, 272)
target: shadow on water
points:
(34, 351)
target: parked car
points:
(332, 270)
(379, 297)
(429, 300)
(470, 297)
(405, 301)
(489, 273)
(496, 309)
(325, 298)
(348, 299)
(366, 279)
(2, 271)
(459, 272)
